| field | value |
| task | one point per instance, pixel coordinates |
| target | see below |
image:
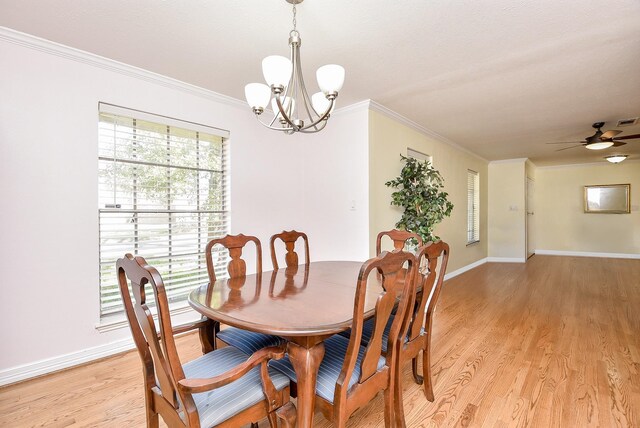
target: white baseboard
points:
(506, 259)
(588, 254)
(463, 269)
(50, 365)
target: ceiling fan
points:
(600, 140)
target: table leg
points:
(306, 361)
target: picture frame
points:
(607, 199)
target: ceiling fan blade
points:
(618, 143)
(572, 147)
(628, 137)
(610, 134)
(569, 142)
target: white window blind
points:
(473, 207)
(411, 153)
(162, 195)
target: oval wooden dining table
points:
(305, 304)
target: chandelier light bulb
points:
(330, 78)
(599, 145)
(257, 95)
(277, 70)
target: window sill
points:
(116, 322)
(473, 242)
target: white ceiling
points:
(499, 77)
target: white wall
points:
(507, 215)
(48, 188)
(336, 171)
(560, 208)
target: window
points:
(162, 195)
(411, 153)
(473, 207)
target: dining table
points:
(304, 304)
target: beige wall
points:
(507, 183)
(560, 210)
(387, 140)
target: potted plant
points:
(421, 196)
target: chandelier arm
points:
(316, 129)
(275, 116)
(295, 76)
(289, 92)
(305, 94)
(322, 118)
(275, 128)
(283, 113)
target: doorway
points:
(531, 245)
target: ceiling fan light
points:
(616, 158)
(599, 145)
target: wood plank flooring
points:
(554, 342)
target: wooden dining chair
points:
(350, 374)
(203, 392)
(420, 321)
(289, 238)
(244, 340)
(399, 238)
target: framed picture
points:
(607, 199)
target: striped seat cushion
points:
(248, 342)
(218, 405)
(367, 332)
(330, 367)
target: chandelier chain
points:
(294, 17)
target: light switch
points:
(513, 208)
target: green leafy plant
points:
(419, 192)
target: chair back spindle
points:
(399, 238)
(236, 267)
(431, 281)
(289, 239)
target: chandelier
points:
(293, 108)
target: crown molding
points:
(515, 160)
(62, 51)
(379, 108)
(360, 105)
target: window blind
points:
(411, 153)
(163, 194)
(473, 207)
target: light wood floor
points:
(554, 342)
